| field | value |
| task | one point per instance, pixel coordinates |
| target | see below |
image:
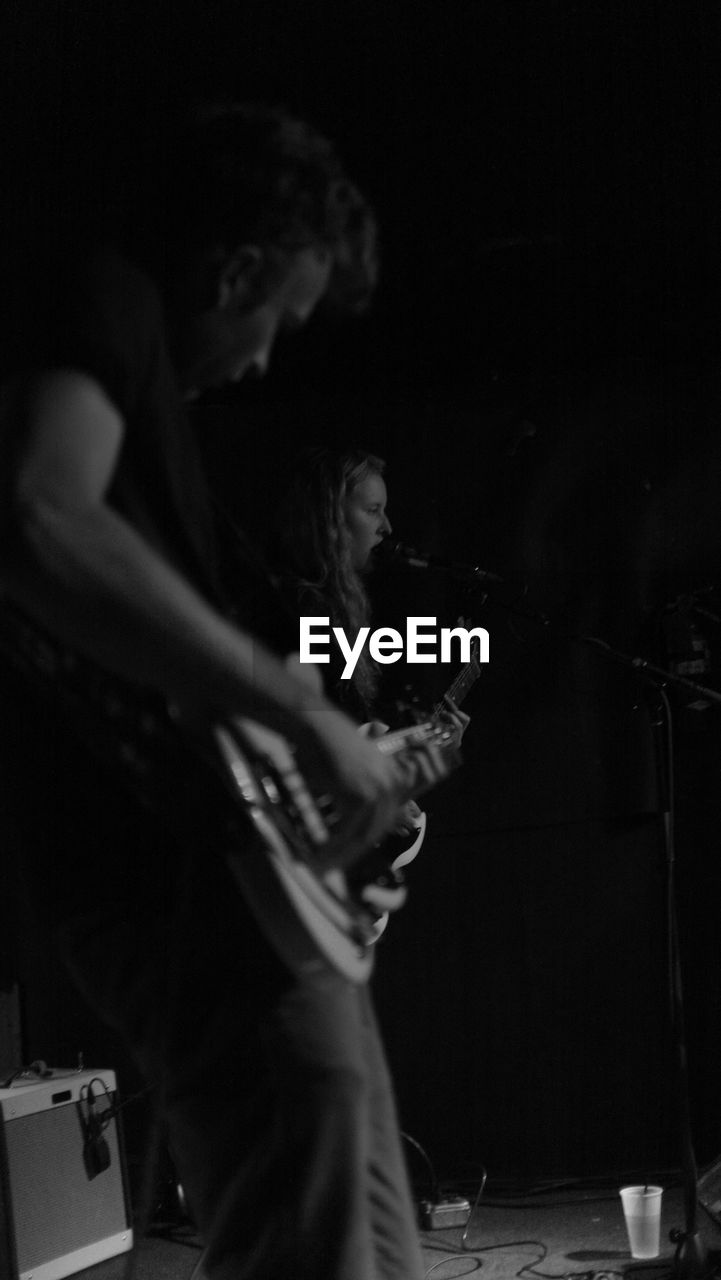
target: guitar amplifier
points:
(63, 1191)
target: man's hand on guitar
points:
(367, 787)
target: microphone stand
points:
(691, 1259)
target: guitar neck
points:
(461, 686)
(398, 739)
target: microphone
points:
(416, 559)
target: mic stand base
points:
(692, 1260)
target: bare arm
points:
(75, 565)
(84, 572)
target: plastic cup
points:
(642, 1212)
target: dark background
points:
(540, 371)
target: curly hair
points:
(254, 173)
(314, 547)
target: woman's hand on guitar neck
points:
(455, 719)
(367, 788)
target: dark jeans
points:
(278, 1101)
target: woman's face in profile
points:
(364, 509)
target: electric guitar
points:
(238, 786)
(396, 851)
(313, 915)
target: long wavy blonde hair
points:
(314, 545)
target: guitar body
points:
(400, 850)
(386, 863)
(308, 913)
(397, 850)
(315, 916)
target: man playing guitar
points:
(272, 1080)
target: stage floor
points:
(553, 1233)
